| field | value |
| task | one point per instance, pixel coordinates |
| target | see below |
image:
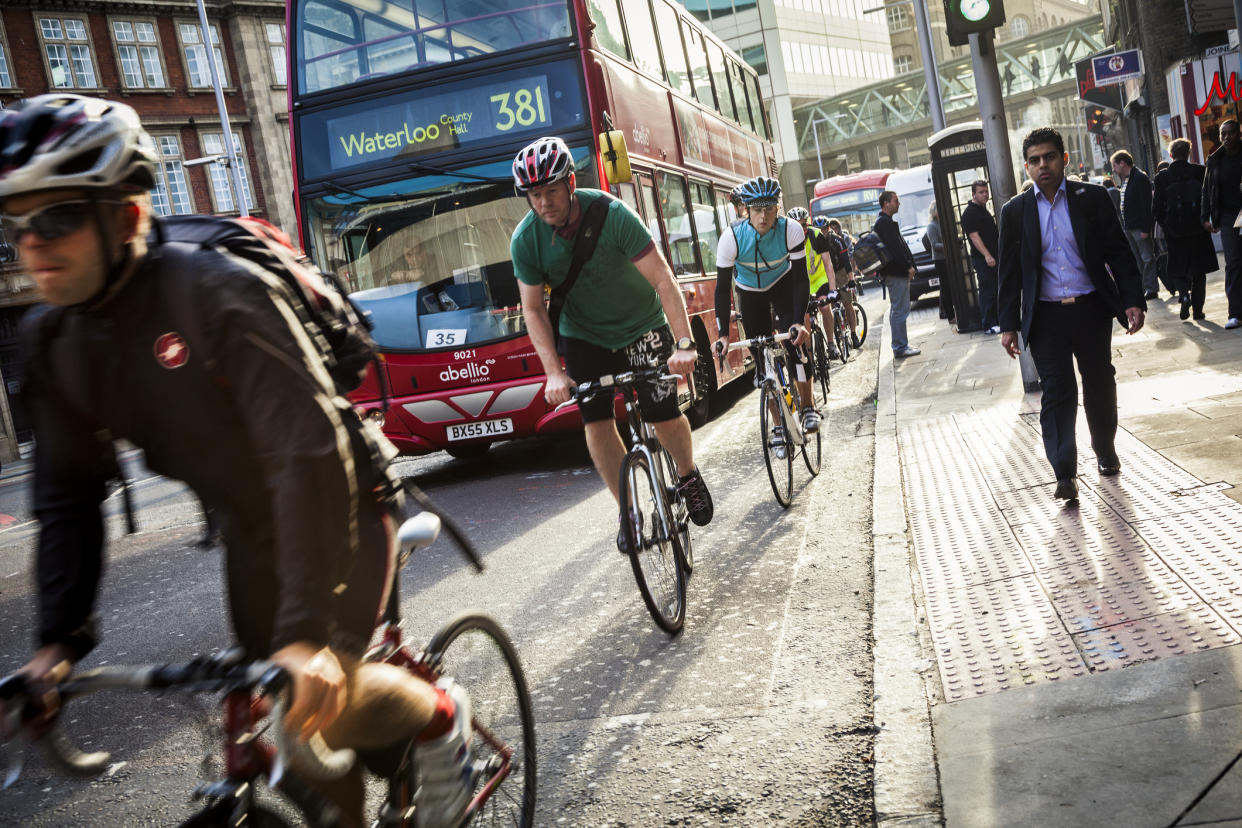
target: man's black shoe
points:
(698, 499)
(1067, 489)
(1185, 312)
(1109, 466)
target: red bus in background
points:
(405, 122)
(851, 199)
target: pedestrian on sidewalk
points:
(1222, 201)
(897, 274)
(1177, 206)
(1066, 270)
(980, 228)
(1136, 217)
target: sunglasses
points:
(53, 221)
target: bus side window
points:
(707, 223)
(651, 212)
(626, 193)
(679, 224)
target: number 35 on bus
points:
(404, 127)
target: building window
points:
(902, 64)
(1019, 28)
(222, 178)
(197, 69)
(898, 18)
(6, 79)
(172, 193)
(137, 49)
(276, 45)
(70, 64)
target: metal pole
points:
(996, 137)
(230, 151)
(818, 157)
(931, 74)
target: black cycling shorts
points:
(823, 290)
(757, 306)
(586, 362)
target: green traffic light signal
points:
(966, 17)
(974, 10)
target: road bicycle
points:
(820, 361)
(655, 519)
(472, 649)
(780, 426)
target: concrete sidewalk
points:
(1045, 664)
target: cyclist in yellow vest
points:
(819, 268)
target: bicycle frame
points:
(775, 376)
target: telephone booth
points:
(958, 158)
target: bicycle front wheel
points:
(811, 451)
(475, 652)
(777, 447)
(681, 514)
(861, 316)
(821, 365)
(648, 530)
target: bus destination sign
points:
(364, 134)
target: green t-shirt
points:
(611, 304)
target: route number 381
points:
(527, 108)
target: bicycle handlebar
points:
(765, 341)
(637, 376)
(818, 302)
(225, 671)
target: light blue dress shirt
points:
(1062, 272)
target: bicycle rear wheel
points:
(648, 536)
(777, 447)
(811, 451)
(861, 316)
(475, 652)
(821, 365)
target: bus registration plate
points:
(933, 283)
(483, 428)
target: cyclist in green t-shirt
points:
(624, 311)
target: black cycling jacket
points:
(249, 420)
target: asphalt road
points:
(760, 713)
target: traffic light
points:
(1097, 119)
(963, 18)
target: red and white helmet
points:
(542, 162)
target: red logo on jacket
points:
(171, 351)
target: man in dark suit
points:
(1136, 217)
(898, 273)
(1058, 243)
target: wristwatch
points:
(685, 344)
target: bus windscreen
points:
(345, 41)
(531, 101)
(427, 258)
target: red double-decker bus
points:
(405, 118)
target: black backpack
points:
(341, 329)
(1184, 198)
(838, 254)
(870, 254)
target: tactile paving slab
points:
(1056, 536)
(1203, 547)
(999, 635)
(1021, 588)
(1190, 630)
(1102, 592)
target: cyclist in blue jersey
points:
(765, 256)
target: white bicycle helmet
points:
(542, 162)
(61, 141)
(798, 214)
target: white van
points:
(914, 188)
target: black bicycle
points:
(655, 519)
(780, 427)
(472, 649)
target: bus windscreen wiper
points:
(423, 167)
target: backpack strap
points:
(584, 247)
